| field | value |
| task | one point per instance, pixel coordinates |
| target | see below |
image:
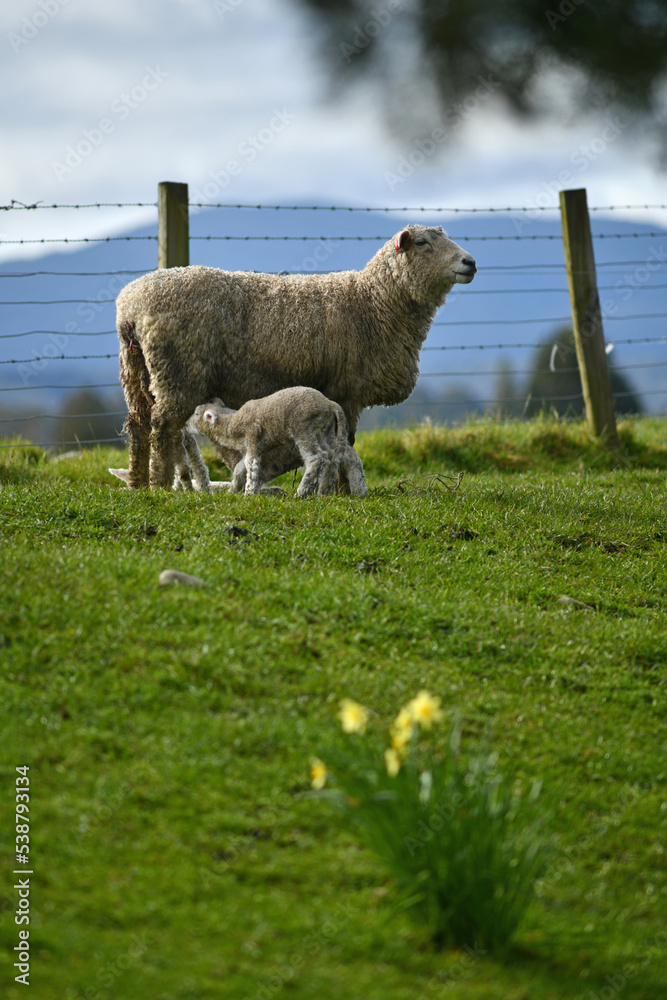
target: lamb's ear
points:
(209, 416)
(402, 240)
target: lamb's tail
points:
(135, 379)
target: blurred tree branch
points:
(555, 61)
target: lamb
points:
(300, 416)
(194, 333)
(191, 472)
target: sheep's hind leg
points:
(166, 443)
(353, 470)
(134, 379)
(138, 428)
(343, 484)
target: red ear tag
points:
(397, 245)
(132, 350)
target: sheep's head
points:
(430, 260)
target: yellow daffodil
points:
(401, 730)
(353, 716)
(318, 773)
(404, 719)
(400, 739)
(425, 709)
(392, 761)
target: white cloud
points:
(227, 68)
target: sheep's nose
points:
(469, 262)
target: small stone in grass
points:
(168, 576)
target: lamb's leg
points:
(330, 444)
(238, 484)
(328, 451)
(328, 474)
(200, 476)
(253, 467)
(182, 471)
(313, 461)
(274, 463)
(166, 442)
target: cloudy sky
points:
(107, 99)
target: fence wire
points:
(526, 270)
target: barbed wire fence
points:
(621, 275)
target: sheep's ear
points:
(402, 240)
(209, 416)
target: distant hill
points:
(63, 303)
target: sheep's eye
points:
(421, 243)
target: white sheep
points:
(298, 416)
(194, 333)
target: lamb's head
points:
(426, 260)
(207, 415)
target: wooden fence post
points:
(586, 315)
(173, 249)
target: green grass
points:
(168, 731)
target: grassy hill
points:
(168, 731)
